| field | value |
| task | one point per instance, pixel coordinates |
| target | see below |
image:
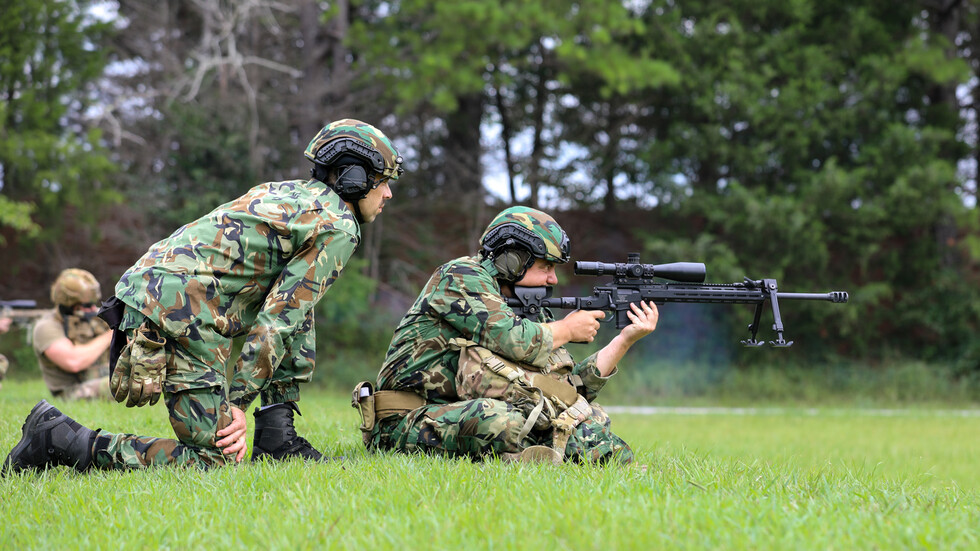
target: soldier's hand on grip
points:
(140, 370)
(583, 324)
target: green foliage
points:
(50, 57)
(352, 333)
(17, 215)
(206, 165)
(440, 58)
(820, 143)
(823, 166)
(525, 60)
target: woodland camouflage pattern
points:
(361, 131)
(195, 415)
(254, 266)
(463, 299)
(541, 224)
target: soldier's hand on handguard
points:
(234, 437)
(644, 317)
(577, 326)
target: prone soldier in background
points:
(464, 375)
(71, 343)
(254, 267)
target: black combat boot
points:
(51, 438)
(275, 437)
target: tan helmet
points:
(75, 286)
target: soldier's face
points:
(540, 274)
(86, 311)
(373, 203)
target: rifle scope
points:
(689, 272)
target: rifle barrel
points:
(833, 296)
(18, 303)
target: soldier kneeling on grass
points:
(465, 375)
(255, 268)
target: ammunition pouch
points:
(81, 330)
(375, 406)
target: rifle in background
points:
(22, 311)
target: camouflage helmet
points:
(528, 229)
(75, 286)
(351, 137)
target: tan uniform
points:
(92, 382)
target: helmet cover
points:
(531, 229)
(75, 286)
(340, 140)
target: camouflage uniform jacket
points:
(463, 299)
(257, 264)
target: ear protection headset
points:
(512, 263)
(352, 158)
(352, 183)
(512, 250)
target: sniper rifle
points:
(634, 282)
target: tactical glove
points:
(140, 370)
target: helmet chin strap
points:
(355, 206)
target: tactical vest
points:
(548, 396)
(79, 331)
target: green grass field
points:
(772, 479)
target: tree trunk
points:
(463, 171)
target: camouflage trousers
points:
(199, 356)
(487, 427)
(93, 389)
(194, 393)
(195, 415)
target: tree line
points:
(832, 144)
